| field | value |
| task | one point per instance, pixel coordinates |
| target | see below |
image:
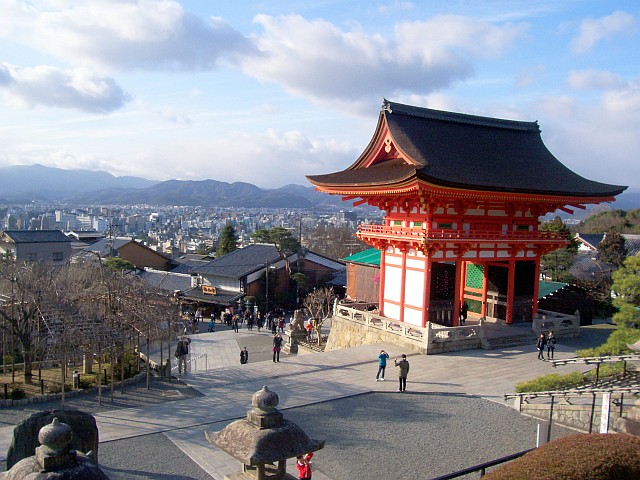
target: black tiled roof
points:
(37, 236)
(240, 262)
(466, 151)
(106, 246)
(166, 281)
(222, 297)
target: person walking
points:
(551, 345)
(277, 343)
(403, 365)
(212, 323)
(542, 341)
(304, 466)
(382, 365)
(234, 323)
(182, 352)
(464, 311)
(244, 356)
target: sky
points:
(267, 92)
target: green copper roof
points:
(370, 257)
(547, 288)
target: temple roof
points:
(461, 151)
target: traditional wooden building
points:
(462, 197)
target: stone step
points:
(494, 343)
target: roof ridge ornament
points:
(386, 106)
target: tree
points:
(559, 261)
(228, 241)
(281, 238)
(22, 286)
(118, 264)
(335, 242)
(612, 249)
(319, 303)
(626, 281)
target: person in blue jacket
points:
(382, 365)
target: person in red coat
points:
(304, 466)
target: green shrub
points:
(553, 381)
(616, 344)
(577, 457)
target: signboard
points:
(208, 290)
(604, 417)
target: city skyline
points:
(269, 93)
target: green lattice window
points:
(523, 227)
(417, 224)
(444, 225)
(397, 223)
(475, 273)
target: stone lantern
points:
(54, 459)
(263, 441)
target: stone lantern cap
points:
(264, 436)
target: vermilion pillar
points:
(511, 280)
(536, 288)
(457, 294)
(383, 257)
(426, 297)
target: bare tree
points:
(319, 303)
(23, 287)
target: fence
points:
(433, 338)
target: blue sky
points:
(270, 91)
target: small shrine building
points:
(462, 197)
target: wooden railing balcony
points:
(457, 236)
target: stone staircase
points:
(507, 341)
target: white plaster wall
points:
(392, 279)
(414, 288)
(413, 317)
(392, 311)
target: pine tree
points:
(228, 240)
(612, 249)
(557, 263)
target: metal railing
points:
(194, 361)
(482, 467)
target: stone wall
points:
(572, 416)
(346, 334)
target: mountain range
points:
(27, 183)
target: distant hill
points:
(212, 193)
(37, 182)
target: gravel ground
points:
(386, 436)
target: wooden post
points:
(511, 279)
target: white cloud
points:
(529, 75)
(593, 30)
(319, 61)
(269, 159)
(123, 35)
(594, 80)
(596, 140)
(54, 87)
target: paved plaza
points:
(452, 416)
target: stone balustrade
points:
(433, 338)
